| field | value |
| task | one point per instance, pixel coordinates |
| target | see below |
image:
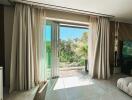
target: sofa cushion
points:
(125, 84)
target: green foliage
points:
(71, 50)
(48, 53)
(74, 50)
(66, 52)
(48, 46)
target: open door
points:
(73, 49)
(68, 56)
(52, 49)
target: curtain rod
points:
(68, 21)
(60, 8)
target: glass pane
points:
(48, 49)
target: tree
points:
(82, 47)
(74, 50)
(66, 51)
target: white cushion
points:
(125, 84)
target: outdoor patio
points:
(72, 72)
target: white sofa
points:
(125, 84)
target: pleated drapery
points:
(27, 45)
(98, 50)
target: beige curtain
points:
(99, 48)
(27, 47)
(92, 39)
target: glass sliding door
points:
(52, 48)
(48, 30)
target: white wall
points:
(8, 27)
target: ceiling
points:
(121, 9)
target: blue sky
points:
(48, 32)
(66, 32)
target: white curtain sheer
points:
(27, 46)
(98, 50)
(55, 50)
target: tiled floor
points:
(84, 88)
(80, 87)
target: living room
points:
(65, 50)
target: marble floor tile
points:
(78, 88)
(85, 88)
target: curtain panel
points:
(27, 46)
(92, 39)
(98, 50)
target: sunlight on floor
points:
(69, 82)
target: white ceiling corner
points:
(121, 9)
